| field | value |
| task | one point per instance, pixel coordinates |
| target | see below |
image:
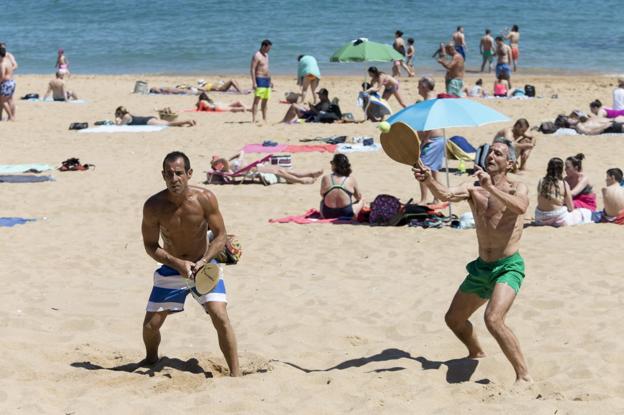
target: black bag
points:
(561, 122)
(31, 95)
(529, 90)
(547, 127)
(78, 125)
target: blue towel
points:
(462, 143)
(10, 178)
(10, 222)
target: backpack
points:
(383, 209)
(529, 90)
(547, 127)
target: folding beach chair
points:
(247, 173)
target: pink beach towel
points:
(292, 148)
(310, 216)
(587, 201)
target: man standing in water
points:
(261, 79)
(182, 215)
(514, 42)
(486, 47)
(503, 58)
(459, 41)
(498, 206)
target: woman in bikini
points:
(62, 64)
(204, 103)
(339, 189)
(380, 80)
(123, 117)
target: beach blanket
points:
(123, 129)
(71, 101)
(587, 201)
(289, 148)
(6, 222)
(310, 216)
(561, 217)
(357, 148)
(18, 178)
(571, 131)
(24, 168)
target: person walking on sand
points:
(514, 42)
(503, 58)
(498, 206)
(454, 70)
(459, 41)
(261, 79)
(182, 215)
(486, 48)
(7, 84)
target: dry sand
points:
(330, 319)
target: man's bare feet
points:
(523, 380)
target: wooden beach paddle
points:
(401, 144)
(207, 278)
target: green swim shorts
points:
(483, 276)
(263, 93)
(455, 87)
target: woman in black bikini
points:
(338, 190)
(123, 117)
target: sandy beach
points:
(330, 319)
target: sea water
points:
(207, 36)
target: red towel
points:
(301, 148)
(310, 216)
(587, 201)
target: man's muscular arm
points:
(441, 192)
(214, 218)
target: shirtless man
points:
(486, 48)
(613, 196)
(432, 142)
(498, 206)
(56, 87)
(454, 70)
(514, 41)
(503, 58)
(181, 215)
(523, 141)
(459, 41)
(399, 46)
(7, 84)
(593, 125)
(261, 79)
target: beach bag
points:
(282, 160)
(561, 121)
(529, 91)
(31, 95)
(547, 127)
(73, 164)
(78, 125)
(232, 251)
(383, 209)
(140, 87)
(167, 114)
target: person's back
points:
(340, 194)
(618, 96)
(58, 89)
(337, 190)
(551, 196)
(613, 197)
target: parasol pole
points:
(446, 167)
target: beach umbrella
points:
(363, 50)
(447, 113)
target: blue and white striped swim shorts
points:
(170, 291)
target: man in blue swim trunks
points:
(261, 79)
(7, 84)
(498, 206)
(182, 215)
(503, 59)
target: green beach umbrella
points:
(362, 50)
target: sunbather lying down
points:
(203, 86)
(204, 103)
(123, 117)
(236, 162)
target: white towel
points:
(123, 129)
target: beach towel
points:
(345, 148)
(561, 217)
(24, 168)
(572, 131)
(458, 148)
(17, 178)
(618, 220)
(70, 101)
(123, 129)
(292, 148)
(587, 201)
(310, 216)
(6, 222)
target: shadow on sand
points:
(459, 370)
(189, 366)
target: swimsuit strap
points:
(338, 186)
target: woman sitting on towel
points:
(554, 199)
(204, 103)
(339, 189)
(599, 111)
(381, 80)
(123, 117)
(580, 187)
